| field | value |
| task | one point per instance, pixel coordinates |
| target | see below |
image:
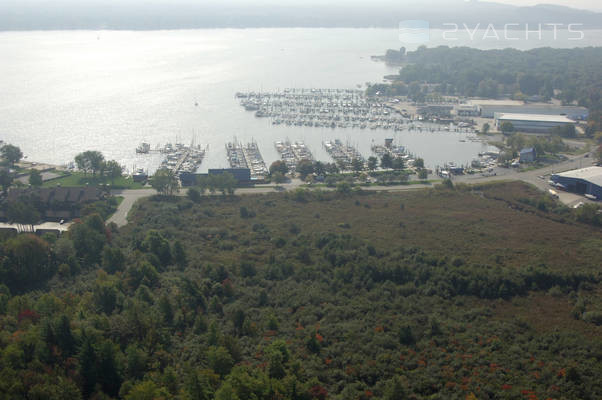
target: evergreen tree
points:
(87, 368)
(166, 310)
(386, 161)
(108, 375)
(179, 254)
(406, 337)
(35, 178)
(64, 336)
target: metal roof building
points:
(242, 175)
(532, 122)
(488, 109)
(527, 155)
(583, 181)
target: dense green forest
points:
(488, 292)
(571, 75)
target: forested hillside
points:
(486, 292)
(571, 75)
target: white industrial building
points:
(488, 109)
(532, 122)
(587, 181)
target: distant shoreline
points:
(141, 15)
(482, 28)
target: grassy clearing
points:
(78, 179)
(546, 313)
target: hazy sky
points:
(177, 14)
(595, 5)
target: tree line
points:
(94, 162)
(306, 169)
(570, 75)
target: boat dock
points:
(255, 161)
(247, 156)
(293, 153)
(235, 155)
(179, 157)
(395, 151)
(182, 160)
(342, 154)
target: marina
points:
(394, 151)
(340, 108)
(247, 156)
(179, 157)
(486, 160)
(235, 155)
(329, 108)
(343, 154)
(293, 153)
(117, 127)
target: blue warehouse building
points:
(581, 181)
(242, 175)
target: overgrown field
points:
(488, 226)
(472, 292)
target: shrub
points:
(593, 317)
(194, 195)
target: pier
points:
(255, 161)
(293, 153)
(395, 151)
(342, 154)
(179, 158)
(247, 156)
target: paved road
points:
(129, 198)
(532, 177)
(539, 177)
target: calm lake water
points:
(69, 91)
